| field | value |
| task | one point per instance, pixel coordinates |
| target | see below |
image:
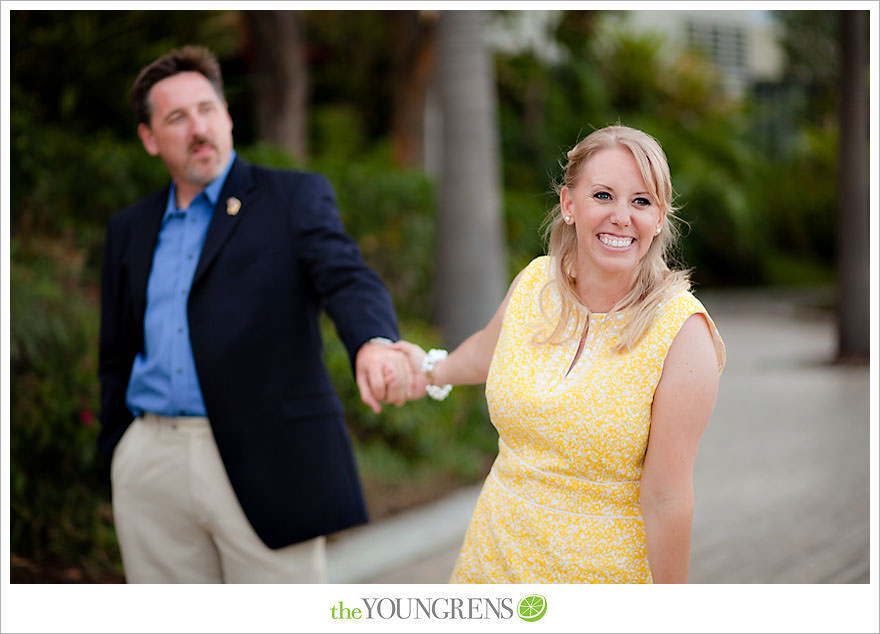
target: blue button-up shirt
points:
(163, 377)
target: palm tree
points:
(470, 250)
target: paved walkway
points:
(782, 477)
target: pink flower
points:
(86, 418)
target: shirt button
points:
(183, 292)
(180, 330)
(189, 257)
(179, 371)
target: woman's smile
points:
(616, 243)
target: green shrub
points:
(797, 202)
(63, 186)
(59, 486)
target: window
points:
(724, 44)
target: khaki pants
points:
(177, 517)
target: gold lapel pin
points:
(233, 204)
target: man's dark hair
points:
(188, 58)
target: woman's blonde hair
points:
(655, 280)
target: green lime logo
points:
(532, 608)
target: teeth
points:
(615, 242)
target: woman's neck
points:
(599, 293)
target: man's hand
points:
(383, 374)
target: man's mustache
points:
(200, 141)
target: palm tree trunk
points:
(280, 79)
(470, 249)
(853, 220)
(415, 51)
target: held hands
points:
(390, 373)
(382, 375)
(415, 356)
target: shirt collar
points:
(211, 191)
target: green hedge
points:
(59, 486)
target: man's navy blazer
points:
(264, 275)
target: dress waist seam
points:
(507, 489)
(513, 454)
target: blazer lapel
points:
(144, 234)
(238, 185)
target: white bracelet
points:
(436, 392)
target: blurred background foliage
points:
(755, 179)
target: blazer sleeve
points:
(353, 295)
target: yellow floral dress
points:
(561, 502)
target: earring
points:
(567, 220)
(659, 229)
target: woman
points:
(601, 373)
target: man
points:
(229, 456)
